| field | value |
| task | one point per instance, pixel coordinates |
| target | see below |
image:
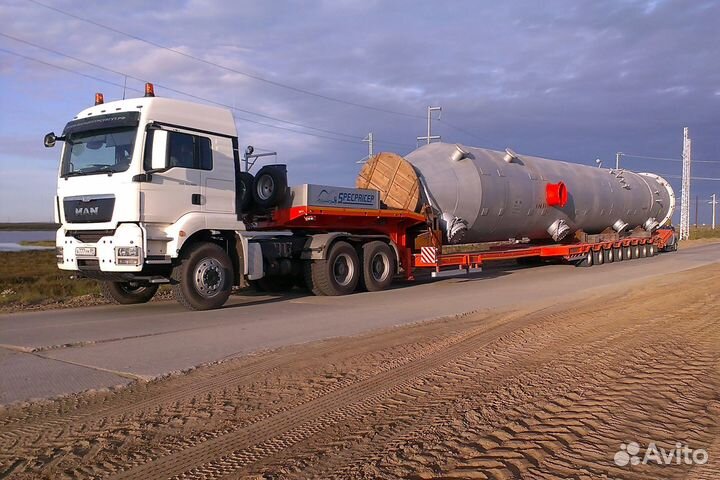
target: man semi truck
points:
(152, 191)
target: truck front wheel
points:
(127, 293)
(203, 278)
(337, 274)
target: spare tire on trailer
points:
(270, 186)
(244, 187)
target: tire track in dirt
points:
(509, 452)
(246, 452)
(391, 425)
(528, 392)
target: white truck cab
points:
(151, 191)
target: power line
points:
(667, 159)
(69, 70)
(225, 67)
(117, 72)
(466, 132)
(109, 82)
(692, 178)
(356, 139)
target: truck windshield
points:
(98, 151)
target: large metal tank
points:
(486, 195)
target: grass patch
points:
(38, 243)
(33, 277)
(697, 233)
(23, 226)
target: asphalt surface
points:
(44, 354)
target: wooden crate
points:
(395, 178)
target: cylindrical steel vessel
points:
(486, 195)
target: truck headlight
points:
(127, 255)
(59, 254)
(127, 251)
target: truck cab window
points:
(189, 151)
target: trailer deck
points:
(402, 226)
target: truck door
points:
(176, 190)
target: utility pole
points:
(685, 196)
(430, 137)
(697, 208)
(371, 148)
(617, 160)
(714, 203)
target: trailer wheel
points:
(203, 278)
(643, 251)
(627, 253)
(636, 252)
(598, 257)
(618, 254)
(127, 293)
(337, 274)
(587, 261)
(378, 266)
(608, 256)
(652, 251)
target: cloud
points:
(562, 79)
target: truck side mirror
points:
(159, 150)
(50, 140)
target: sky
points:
(564, 79)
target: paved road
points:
(55, 352)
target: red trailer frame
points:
(396, 224)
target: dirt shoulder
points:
(542, 393)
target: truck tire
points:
(127, 293)
(203, 278)
(244, 181)
(587, 261)
(269, 187)
(627, 253)
(378, 266)
(652, 250)
(598, 257)
(608, 256)
(618, 254)
(643, 251)
(337, 274)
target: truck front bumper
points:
(120, 252)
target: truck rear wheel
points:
(203, 279)
(127, 293)
(618, 254)
(337, 274)
(378, 267)
(598, 257)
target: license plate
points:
(85, 251)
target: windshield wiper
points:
(91, 170)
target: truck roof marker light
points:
(99, 99)
(149, 90)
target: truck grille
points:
(88, 236)
(89, 209)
